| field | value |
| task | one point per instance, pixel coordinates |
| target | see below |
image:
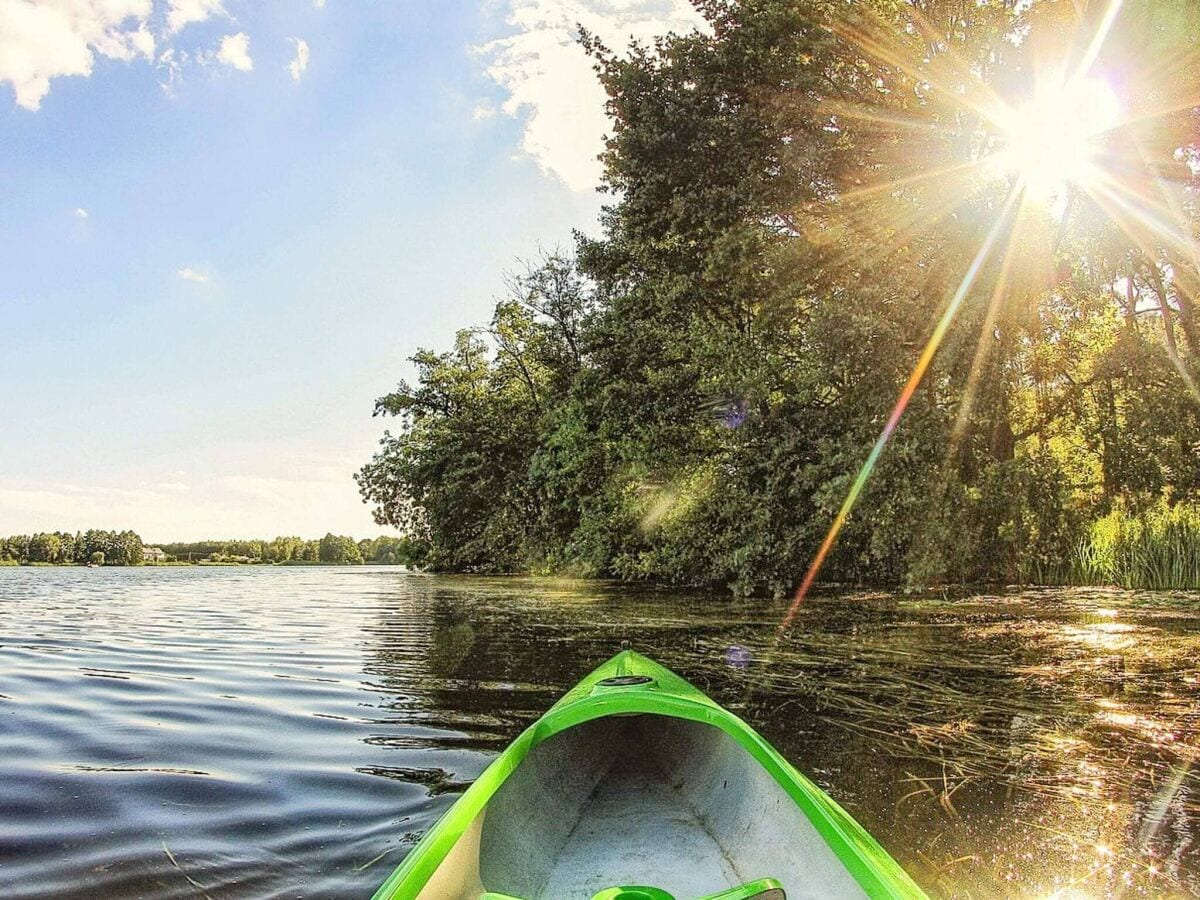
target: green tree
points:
(458, 475)
(45, 548)
(339, 549)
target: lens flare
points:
(910, 388)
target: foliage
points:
(460, 475)
(332, 549)
(690, 397)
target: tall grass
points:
(1158, 549)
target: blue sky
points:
(216, 253)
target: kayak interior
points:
(639, 799)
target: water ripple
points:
(292, 732)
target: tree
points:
(45, 548)
(458, 474)
(339, 549)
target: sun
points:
(1057, 138)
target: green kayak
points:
(636, 786)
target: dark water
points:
(292, 732)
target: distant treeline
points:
(126, 548)
(333, 549)
(111, 548)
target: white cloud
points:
(235, 51)
(550, 81)
(483, 111)
(187, 273)
(300, 61)
(80, 212)
(181, 13)
(319, 4)
(44, 40)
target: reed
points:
(1158, 549)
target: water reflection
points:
(294, 732)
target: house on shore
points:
(153, 555)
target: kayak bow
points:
(637, 786)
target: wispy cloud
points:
(169, 487)
(181, 13)
(187, 273)
(28, 509)
(80, 213)
(549, 79)
(300, 61)
(483, 111)
(171, 63)
(235, 51)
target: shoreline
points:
(651, 586)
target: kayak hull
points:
(637, 778)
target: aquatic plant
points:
(1157, 549)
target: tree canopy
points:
(799, 193)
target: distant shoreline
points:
(96, 547)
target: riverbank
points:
(1156, 548)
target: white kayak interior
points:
(639, 800)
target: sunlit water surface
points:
(292, 732)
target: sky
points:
(225, 226)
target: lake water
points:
(291, 732)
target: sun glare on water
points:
(1057, 139)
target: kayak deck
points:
(635, 777)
